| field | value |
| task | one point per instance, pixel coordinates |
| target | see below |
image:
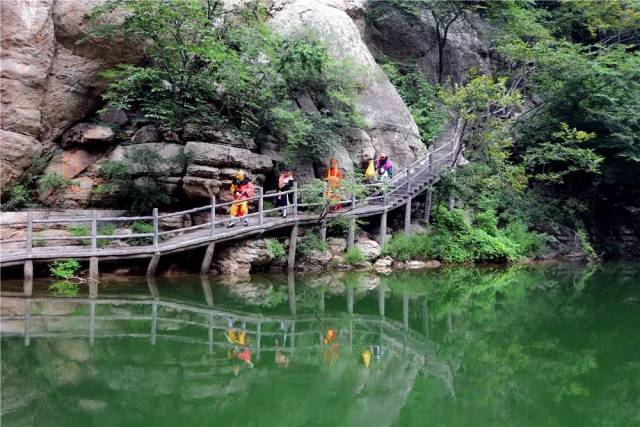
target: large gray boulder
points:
(392, 127)
(219, 155)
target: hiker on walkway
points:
(242, 189)
(334, 181)
(285, 183)
(384, 167)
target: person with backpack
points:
(242, 190)
(384, 167)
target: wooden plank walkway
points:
(407, 184)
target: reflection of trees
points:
(535, 340)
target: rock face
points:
(238, 259)
(369, 248)
(16, 155)
(392, 127)
(49, 81)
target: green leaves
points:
(226, 68)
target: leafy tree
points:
(210, 65)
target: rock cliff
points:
(51, 83)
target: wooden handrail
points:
(394, 185)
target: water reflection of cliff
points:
(160, 348)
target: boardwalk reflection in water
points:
(188, 335)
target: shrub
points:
(64, 269)
(63, 288)
(354, 256)
(79, 231)
(487, 221)
(485, 247)
(18, 198)
(141, 227)
(528, 243)
(53, 183)
(407, 247)
(105, 230)
(310, 242)
(453, 220)
(277, 250)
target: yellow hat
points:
(239, 174)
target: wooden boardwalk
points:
(407, 184)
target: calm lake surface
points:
(519, 346)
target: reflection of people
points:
(334, 180)
(236, 336)
(384, 167)
(280, 358)
(285, 183)
(366, 357)
(242, 189)
(332, 352)
(330, 336)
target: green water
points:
(520, 346)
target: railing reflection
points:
(176, 320)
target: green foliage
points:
(209, 65)
(105, 230)
(138, 179)
(277, 250)
(79, 231)
(553, 160)
(418, 94)
(309, 242)
(64, 269)
(585, 245)
(53, 184)
(454, 239)
(141, 227)
(354, 256)
(18, 198)
(63, 288)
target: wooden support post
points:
(153, 264)
(425, 316)
(93, 289)
(384, 197)
(323, 231)
(94, 230)
(322, 299)
(208, 256)
(381, 299)
(407, 216)
(155, 228)
(153, 289)
(293, 241)
(405, 310)
(382, 234)
(291, 292)
(351, 236)
(206, 289)
(212, 216)
(27, 285)
(92, 322)
(261, 206)
(430, 163)
(258, 339)
(295, 199)
(94, 271)
(349, 291)
(29, 242)
(27, 322)
(427, 205)
(154, 321)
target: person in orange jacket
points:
(242, 189)
(334, 180)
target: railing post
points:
(430, 162)
(29, 242)
(384, 196)
(155, 228)
(353, 201)
(212, 216)
(408, 183)
(94, 230)
(261, 206)
(295, 199)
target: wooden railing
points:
(381, 192)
